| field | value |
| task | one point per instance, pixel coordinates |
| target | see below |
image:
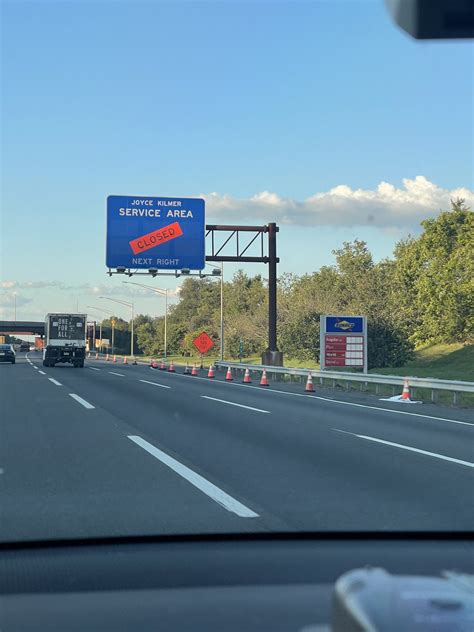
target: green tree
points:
(435, 278)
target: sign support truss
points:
(236, 244)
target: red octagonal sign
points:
(203, 342)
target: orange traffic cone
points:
(97, 356)
(264, 381)
(406, 390)
(151, 362)
(247, 379)
(309, 388)
(154, 364)
(115, 359)
(171, 368)
(163, 366)
(194, 370)
(107, 358)
(88, 355)
(211, 372)
(125, 361)
(228, 375)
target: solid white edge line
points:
(201, 483)
(409, 448)
(119, 374)
(154, 383)
(51, 379)
(224, 401)
(327, 399)
(81, 401)
(93, 368)
(42, 372)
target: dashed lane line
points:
(201, 483)
(81, 401)
(154, 383)
(224, 401)
(408, 448)
(327, 399)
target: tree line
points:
(423, 294)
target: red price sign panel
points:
(203, 342)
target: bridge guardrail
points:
(434, 384)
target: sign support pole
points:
(272, 288)
(365, 368)
(322, 342)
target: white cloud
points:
(10, 300)
(30, 285)
(386, 206)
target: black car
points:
(25, 346)
(7, 354)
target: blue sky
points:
(265, 104)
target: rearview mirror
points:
(434, 19)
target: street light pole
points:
(162, 292)
(131, 340)
(115, 300)
(14, 299)
(112, 321)
(222, 307)
(166, 324)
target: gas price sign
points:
(155, 232)
(343, 342)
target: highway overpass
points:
(21, 327)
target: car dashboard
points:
(265, 582)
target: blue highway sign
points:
(155, 232)
(344, 324)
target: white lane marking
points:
(328, 399)
(224, 401)
(42, 372)
(81, 401)
(119, 374)
(35, 367)
(93, 368)
(409, 448)
(201, 483)
(51, 379)
(397, 412)
(154, 383)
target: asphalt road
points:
(117, 450)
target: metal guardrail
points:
(433, 384)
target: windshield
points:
(237, 270)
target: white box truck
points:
(65, 339)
